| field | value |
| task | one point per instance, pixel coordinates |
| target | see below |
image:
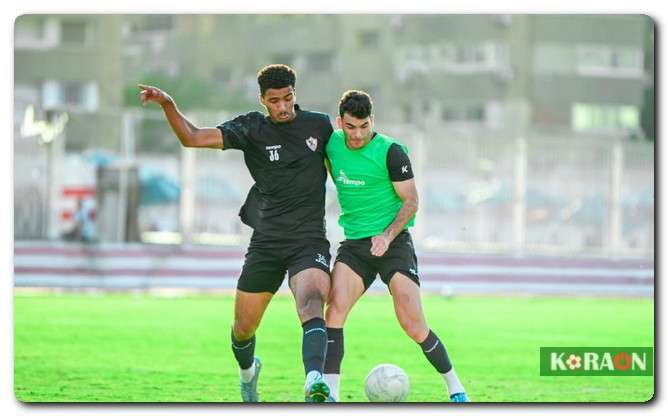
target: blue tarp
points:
(155, 186)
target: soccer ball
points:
(386, 383)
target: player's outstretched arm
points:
(188, 134)
(407, 192)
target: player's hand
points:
(149, 93)
(380, 244)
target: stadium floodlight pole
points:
(50, 130)
(615, 211)
(519, 200)
(122, 206)
(52, 136)
(187, 196)
(420, 161)
(127, 161)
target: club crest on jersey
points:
(312, 143)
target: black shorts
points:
(399, 257)
(266, 263)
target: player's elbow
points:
(189, 139)
(185, 138)
(203, 137)
(189, 143)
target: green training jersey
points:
(368, 200)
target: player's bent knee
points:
(415, 330)
(311, 306)
(243, 330)
(416, 334)
(335, 315)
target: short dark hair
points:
(276, 76)
(356, 103)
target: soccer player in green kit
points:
(378, 197)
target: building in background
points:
(558, 73)
(67, 74)
(531, 131)
(71, 63)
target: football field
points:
(144, 348)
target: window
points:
(502, 19)
(158, 22)
(284, 58)
(73, 33)
(627, 58)
(35, 32)
(475, 113)
(469, 54)
(593, 57)
(553, 58)
(319, 61)
(29, 29)
(426, 105)
(71, 95)
(453, 57)
(449, 114)
(407, 112)
(24, 95)
(608, 60)
(463, 113)
(369, 39)
(593, 117)
(222, 74)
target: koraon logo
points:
(596, 361)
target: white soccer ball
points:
(386, 383)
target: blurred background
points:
(531, 136)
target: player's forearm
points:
(408, 209)
(180, 125)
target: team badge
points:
(312, 143)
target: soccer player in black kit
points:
(284, 152)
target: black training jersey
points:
(286, 160)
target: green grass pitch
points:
(143, 348)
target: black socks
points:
(314, 345)
(434, 350)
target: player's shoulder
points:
(249, 117)
(386, 138)
(389, 144)
(255, 115)
(316, 116)
(337, 135)
(391, 141)
(335, 138)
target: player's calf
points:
(335, 351)
(435, 351)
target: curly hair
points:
(356, 103)
(276, 76)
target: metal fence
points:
(479, 191)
